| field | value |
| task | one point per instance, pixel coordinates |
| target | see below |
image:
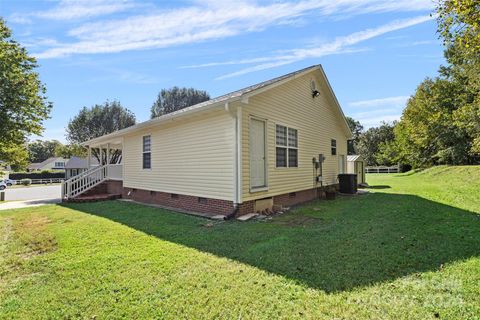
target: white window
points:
(286, 147)
(334, 147)
(147, 154)
(59, 164)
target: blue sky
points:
(375, 52)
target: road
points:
(33, 193)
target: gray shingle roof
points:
(79, 163)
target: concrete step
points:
(247, 217)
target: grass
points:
(409, 249)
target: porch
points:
(107, 167)
(109, 155)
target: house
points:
(53, 163)
(76, 165)
(356, 165)
(273, 143)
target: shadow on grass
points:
(379, 187)
(333, 246)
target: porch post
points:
(89, 159)
(108, 153)
(108, 157)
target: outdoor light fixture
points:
(315, 93)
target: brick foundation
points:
(196, 204)
(180, 201)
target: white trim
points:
(287, 147)
(143, 152)
(258, 189)
(239, 121)
(265, 134)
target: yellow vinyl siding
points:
(317, 121)
(190, 156)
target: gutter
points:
(236, 114)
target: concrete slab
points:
(218, 217)
(247, 217)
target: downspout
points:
(236, 115)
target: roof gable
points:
(241, 94)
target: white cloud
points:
(337, 46)
(372, 112)
(398, 101)
(76, 9)
(375, 121)
(202, 21)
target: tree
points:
(357, 129)
(23, 103)
(427, 133)
(16, 156)
(173, 99)
(370, 141)
(97, 121)
(459, 26)
(70, 150)
(39, 150)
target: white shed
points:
(356, 164)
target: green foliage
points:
(23, 103)
(371, 141)
(427, 133)
(70, 150)
(41, 150)
(459, 24)
(26, 182)
(387, 153)
(15, 155)
(173, 99)
(357, 129)
(441, 123)
(99, 120)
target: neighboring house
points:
(77, 165)
(239, 153)
(54, 163)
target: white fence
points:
(382, 169)
(41, 181)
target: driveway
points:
(33, 193)
(31, 197)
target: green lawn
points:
(408, 250)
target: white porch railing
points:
(83, 182)
(115, 171)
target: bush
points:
(26, 182)
(404, 167)
(37, 175)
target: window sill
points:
(258, 189)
